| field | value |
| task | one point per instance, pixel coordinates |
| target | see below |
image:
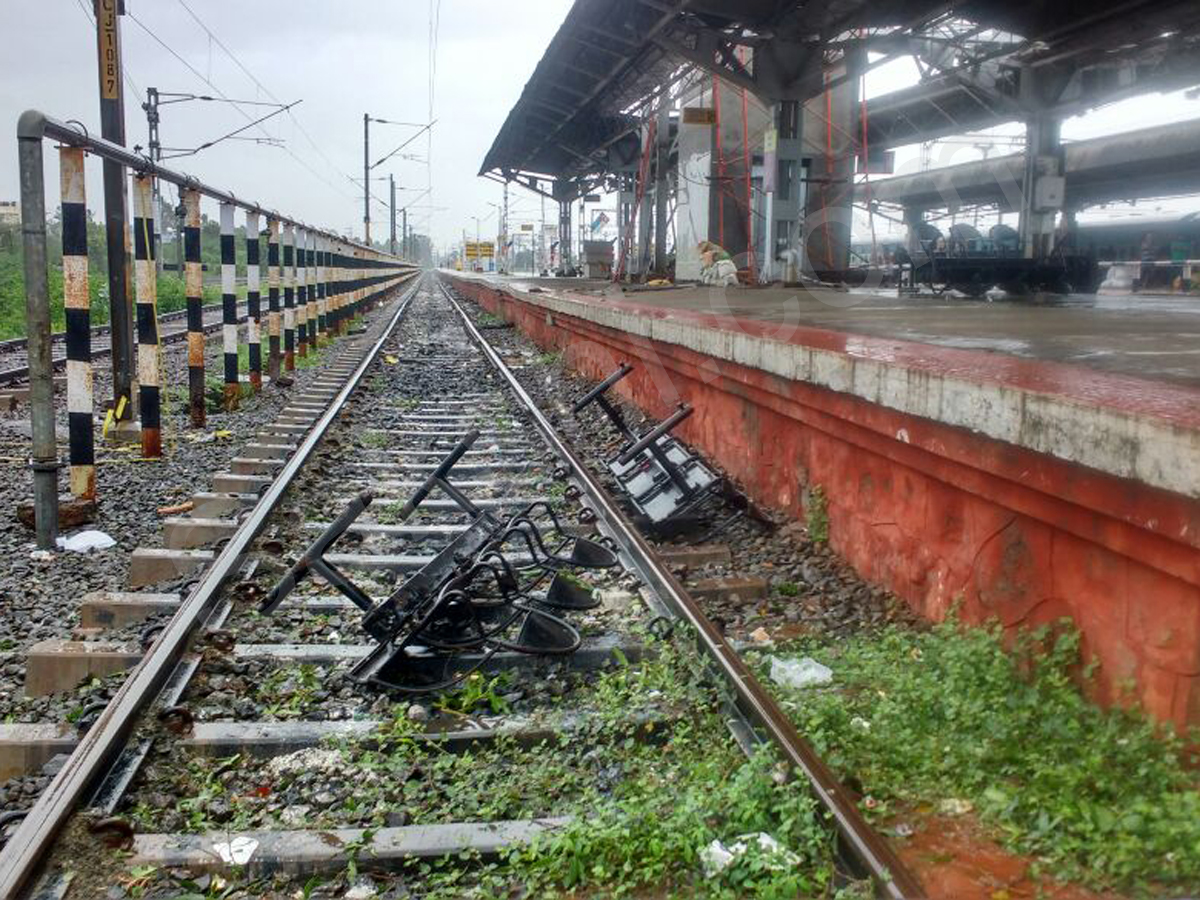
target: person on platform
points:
(716, 265)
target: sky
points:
(340, 59)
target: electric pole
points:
(155, 147)
(116, 203)
(367, 178)
(392, 186)
(407, 249)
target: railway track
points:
(14, 367)
(274, 734)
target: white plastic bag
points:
(799, 673)
(85, 541)
(716, 857)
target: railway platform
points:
(1012, 462)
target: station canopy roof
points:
(577, 117)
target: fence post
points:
(146, 283)
(253, 301)
(229, 308)
(77, 307)
(322, 311)
(289, 297)
(333, 287)
(310, 258)
(273, 298)
(37, 316)
(194, 291)
(301, 294)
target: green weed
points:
(1098, 796)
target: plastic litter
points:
(799, 673)
(86, 541)
(717, 857)
(954, 806)
(238, 851)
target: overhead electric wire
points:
(300, 161)
(262, 87)
(237, 131)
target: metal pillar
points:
(662, 188)
(366, 178)
(786, 193)
(392, 239)
(154, 149)
(116, 205)
(77, 309)
(1043, 187)
(229, 313)
(194, 291)
(407, 254)
(273, 326)
(626, 210)
(148, 355)
(253, 301)
(645, 215)
(44, 461)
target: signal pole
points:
(367, 179)
(116, 203)
(392, 186)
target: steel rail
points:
(29, 847)
(10, 345)
(891, 876)
(17, 373)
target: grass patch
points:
(1098, 796)
(641, 812)
(816, 514)
(375, 440)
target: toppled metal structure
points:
(503, 584)
(662, 478)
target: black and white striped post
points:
(289, 297)
(229, 310)
(273, 354)
(78, 309)
(333, 287)
(253, 301)
(322, 309)
(354, 275)
(310, 255)
(146, 285)
(301, 294)
(194, 292)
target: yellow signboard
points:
(110, 62)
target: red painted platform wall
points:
(937, 514)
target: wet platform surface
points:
(1152, 337)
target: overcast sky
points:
(342, 59)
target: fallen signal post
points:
(664, 480)
(478, 596)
